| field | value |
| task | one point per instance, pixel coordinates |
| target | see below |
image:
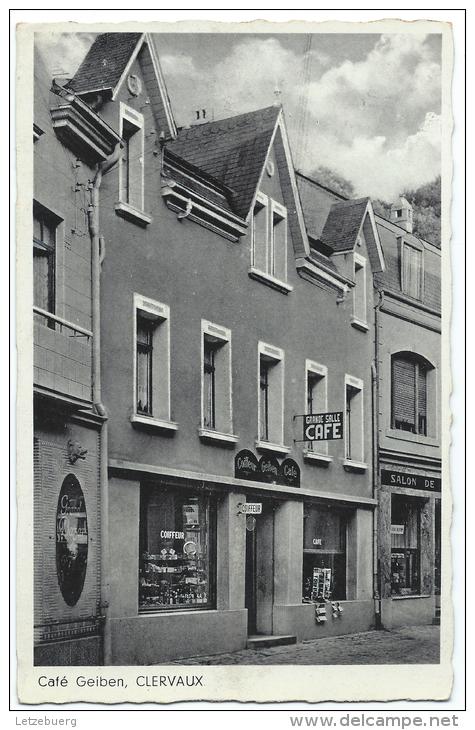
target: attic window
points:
(132, 168)
(269, 243)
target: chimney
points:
(199, 117)
(401, 214)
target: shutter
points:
(135, 160)
(422, 399)
(280, 248)
(404, 386)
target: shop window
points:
(410, 377)
(405, 546)
(44, 251)
(177, 566)
(131, 168)
(412, 271)
(316, 398)
(269, 239)
(354, 420)
(271, 394)
(152, 359)
(216, 378)
(324, 553)
(359, 290)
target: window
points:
(177, 566)
(269, 243)
(316, 399)
(409, 382)
(324, 553)
(271, 397)
(412, 271)
(359, 292)
(132, 163)
(44, 248)
(354, 421)
(405, 545)
(216, 388)
(151, 363)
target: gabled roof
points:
(343, 224)
(233, 151)
(317, 201)
(105, 62)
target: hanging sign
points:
(322, 426)
(413, 481)
(397, 529)
(250, 508)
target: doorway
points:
(259, 583)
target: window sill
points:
(269, 446)
(411, 595)
(316, 458)
(270, 280)
(359, 324)
(160, 424)
(355, 466)
(416, 438)
(209, 434)
(124, 210)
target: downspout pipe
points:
(375, 403)
(97, 256)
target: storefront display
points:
(324, 553)
(405, 546)
(177, 548)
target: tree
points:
(426, 203)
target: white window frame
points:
(223, 336)
(266, 276)
(359, 262)
(123, 207)
(317, 452)
(404, 246)
(355, 464)
(159, 313)
(276, 356)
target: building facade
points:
(218, 468)
(408, 355)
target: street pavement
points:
(407, 645)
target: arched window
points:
(409, 385)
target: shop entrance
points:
(259, 585)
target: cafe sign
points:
(322, 426)
(412, 481)
(267, 469)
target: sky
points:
(367, 106)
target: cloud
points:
(63, 52)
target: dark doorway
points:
(251, 599)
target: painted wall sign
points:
(246, 465)
(266, 469)
(413, 481)
(323, 426)
(290, 473)
(71, 540)
(269, 469)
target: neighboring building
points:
(408, 426)
(69, 139)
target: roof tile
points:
(105, 62)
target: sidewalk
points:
(408, 645)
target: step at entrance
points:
(261, 642)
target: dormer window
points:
(359, 293)
(131, 171)
(412, 270)
(269, 243)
